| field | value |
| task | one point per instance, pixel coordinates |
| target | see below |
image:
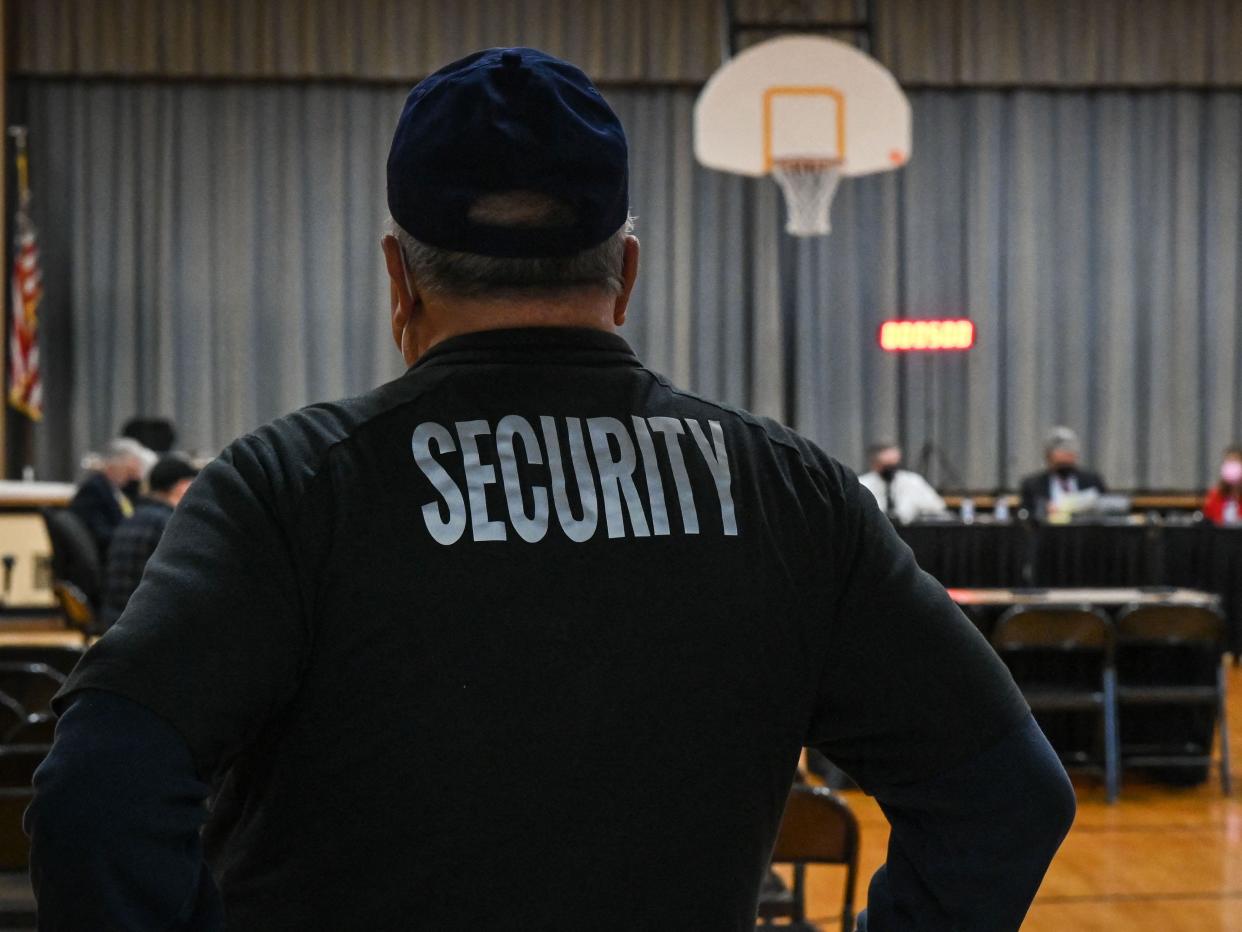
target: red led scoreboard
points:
(904, 336)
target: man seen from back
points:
(527, 638)
(136, 537)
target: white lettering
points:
(718, 463)
(616, 476)
(655, 485)
(443, 530)
(530, 529)
(671, 428)
(576, 529)
(479, 476)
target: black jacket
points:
(488, 621)
(1035, 487)
(97, 504)
(133, 543)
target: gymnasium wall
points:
(210, 246)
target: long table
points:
(1130, 554)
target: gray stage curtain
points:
(946, 42)
(211, 254)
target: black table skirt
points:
(1010, 556)
(1014, 555)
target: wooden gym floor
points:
(1160, 859)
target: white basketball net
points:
(809, 186)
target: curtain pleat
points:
(945, 42)
(211, 254)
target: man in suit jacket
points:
(103, 500)
(136, 537)
(1063, 476)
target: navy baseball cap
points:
(502, 121)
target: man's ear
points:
(404, 301)
(629, 275)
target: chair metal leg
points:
(1112, 738)
(798, 912)
(1226, 781)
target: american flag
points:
(25, 383)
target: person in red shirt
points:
(1224, 500)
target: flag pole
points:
(4, 245)
(25, 294)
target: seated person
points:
(1062, 478)
(136, 537)
(1224, 501)
(106, 496)
(903, 495)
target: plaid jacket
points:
(133, 542)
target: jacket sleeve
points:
(114, 824)
(969, 848)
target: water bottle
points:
(968, 511)
(1001, 511)
(1230, 516)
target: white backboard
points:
(802, 97)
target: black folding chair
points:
(17, 766)
(12, 715)
(60, 658)
(1171, 656)
(75, 608)
(818, 828)
(37, 728)
(1062, 660)
(31, 685)
(75, 559)
(18, 763)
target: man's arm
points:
(969, 848)
(208, 651)
(916, 706)
(115, 824)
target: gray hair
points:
(118, 451)
(123, 448)
(468, 275)
(1061, 438)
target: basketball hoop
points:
(809, 186)
(808, 111)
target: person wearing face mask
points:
(1224, 500)
(1063, 477)
(107, 495)
(903, 495)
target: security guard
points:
(528, 638)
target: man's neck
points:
(587, 309)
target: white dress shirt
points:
(912, 496)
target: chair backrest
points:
(38, 728)
(60, 658)
(1068, 628)
(12, 715)
(32, 685)
(14, 845)
(75, 607)
(75, 558)
(18, 763)
(1172, 625)
(818, 828)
